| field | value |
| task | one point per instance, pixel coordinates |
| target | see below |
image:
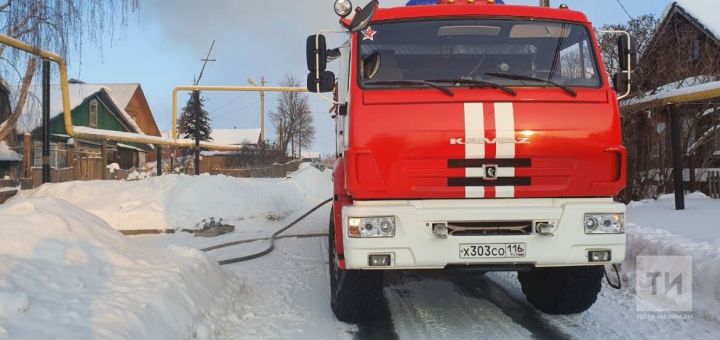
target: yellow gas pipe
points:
(81, 132)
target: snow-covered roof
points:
(7, 154)
(121, 94)
(704, 11)
(667, 93)
(235, 136)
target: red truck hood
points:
(420, 144)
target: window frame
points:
(592, 45)
(93, 113)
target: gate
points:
(714, 184)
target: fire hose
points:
(272, 238)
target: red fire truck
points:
(472, 136)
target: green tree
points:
(190, 122)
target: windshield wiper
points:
(529, 78)
(444, 89)
(477, 84)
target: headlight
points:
(604, 223)
(343, 7)
(383, 226)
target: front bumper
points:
(416, 247)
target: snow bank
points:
(645, 241)
(693, 232)
(699, 222)
(64, 273)
(179, 201)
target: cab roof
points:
(478, 9)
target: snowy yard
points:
(63, 266)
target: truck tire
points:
(355, 295)
(566, 290)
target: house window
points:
(695, 50)
(93, 114)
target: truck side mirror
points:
(316, 53)
(323, 84)
(362, 19)
(620, 82)
(626, 54)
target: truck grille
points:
(489, 228)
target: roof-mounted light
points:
(453, 2)
(343, 8)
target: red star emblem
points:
(369, 34)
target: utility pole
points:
(262, 107)
(262, 112)
(197, 109)
(46, 121)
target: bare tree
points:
(292, 118)
(55, 25)
(641, 29)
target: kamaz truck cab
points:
(472, 135)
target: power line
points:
(228, 103)
(237, 110)
(624, 9)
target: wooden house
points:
(116, 107)
(679, 75)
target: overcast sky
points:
(163, 44)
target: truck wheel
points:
(355, 295)
(567, 290)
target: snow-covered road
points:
(286, 296)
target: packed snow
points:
(658, 229)
(183, 202)
(65, 232)
(66, 274)
(698, 222)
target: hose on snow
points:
(617, 285)
(272, 239)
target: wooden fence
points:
(274, 171)
(88, 168)
(56, 176)
(714, 184)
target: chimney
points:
(544, 3)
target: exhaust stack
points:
(544, 3)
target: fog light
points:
(599, 256)
(379, 260)
(440, 230)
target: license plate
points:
(494, 250)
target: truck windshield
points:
(484, 50)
